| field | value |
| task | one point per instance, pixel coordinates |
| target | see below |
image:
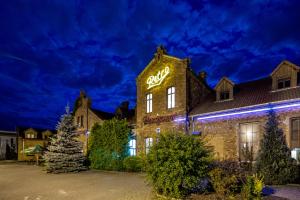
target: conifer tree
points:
(65, 152)
(274, 160)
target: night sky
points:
(49, 50)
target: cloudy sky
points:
(49, 50)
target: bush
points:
(253, 187)
(274, 160)
(176, 164)
(230, 167)
(224, 184)
(133, 164)
(102, 159)
(108, 144)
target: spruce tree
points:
(274, 160)
(65, 152)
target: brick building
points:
(28, 138)
(85, 116)
(170, 96)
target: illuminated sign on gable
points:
(157, 79)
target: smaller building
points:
(85, 117)
(30, 137)
(8, 145)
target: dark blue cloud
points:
(49, 50)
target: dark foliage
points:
(108, 144)
(176, 164)
(274, 160)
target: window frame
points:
(81, 121)
(132, 146)
(227, 92)
(283, 81)
(148, 144)
(171, 102)
(149, 103)
(253, 142)
(292, 131)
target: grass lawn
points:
(28, 182)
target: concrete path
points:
(291, 192)
(27, 182)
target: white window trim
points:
(148, 144)
(132, 147)
(257, 137)
(149, 100)
(171, 91)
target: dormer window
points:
(284, 83)
(224, 89)
(224, 95)
(284, 76)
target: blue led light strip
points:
(265, 108)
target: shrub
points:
(176, 164)
(224, 184)
(108, 144)
(230, 167)
(133, 164)
(274, 160)
(253, 187)
(102, 159)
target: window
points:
(224, 95)
(78, 121)
(249, 137)
(295, 132)
(132, 147)
(171, 97)
(81, 121)
(30, 135)
(295, 153)
(158, 130)
(284, 83)
(149, 142)
(149, 103)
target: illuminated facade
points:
(170, 96)
(167, 90)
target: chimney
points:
(202, 76)
(85, 102)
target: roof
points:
(8, 133)
(224, 79)
(102, 115)
(247, 94)
(21, 131)
(285, 62)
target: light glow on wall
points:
(180, 119)
(253, 110)
(155, 80)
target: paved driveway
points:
(27, 182)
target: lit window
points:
(171, 97)
(284, 83)
(149, 142)
(249, 137)
(295, 153)
(149, 103)
(132, 147)
(224, 95)
(30, 135)
(295, 133)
